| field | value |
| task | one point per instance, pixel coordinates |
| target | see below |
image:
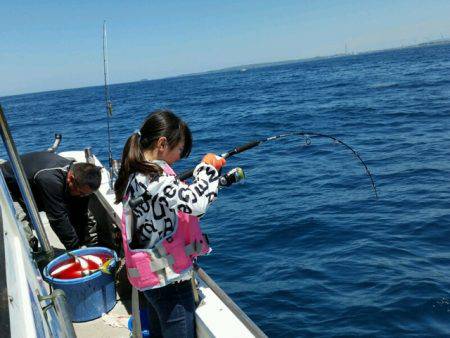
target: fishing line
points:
(307, 136)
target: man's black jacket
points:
(47, 175)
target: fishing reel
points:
(235, 175)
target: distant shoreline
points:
(257, 65)
(325, 57)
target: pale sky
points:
(48, 45)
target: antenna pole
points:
(108, 104)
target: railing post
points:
(24, 187)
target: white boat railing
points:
(26, 307)
(237, 311)
(22, 182)
(5, 326)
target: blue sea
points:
(303, 246)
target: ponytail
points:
(133, 161)
(157, 124)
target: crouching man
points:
(61, 188)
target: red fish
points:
(79, 266)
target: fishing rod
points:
(108, 105)
(305, 134)
(237, 174)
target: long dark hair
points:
(160, 123)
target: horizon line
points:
(253, 65)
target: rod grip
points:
(244, 147)
(247, 146)
(185, 175)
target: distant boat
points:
(243, 69)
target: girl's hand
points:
(214, 160)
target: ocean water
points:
(303, 246)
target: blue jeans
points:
(172, 310)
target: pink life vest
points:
(146, 268)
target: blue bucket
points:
(87, 297)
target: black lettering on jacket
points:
(131, 190)
(170, 191)
(149, 226)
(162, 200)
(211, 196)
(142, 185)
(136, 212)
(155, 207)
(194, 197)
(183, 197)
(213, 174)
(146, 229)
(184, 208)
(168, 227)
(141, 209)
(200, 189)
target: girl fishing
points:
(161, 235)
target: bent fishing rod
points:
(305, 134)
(236, 174)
